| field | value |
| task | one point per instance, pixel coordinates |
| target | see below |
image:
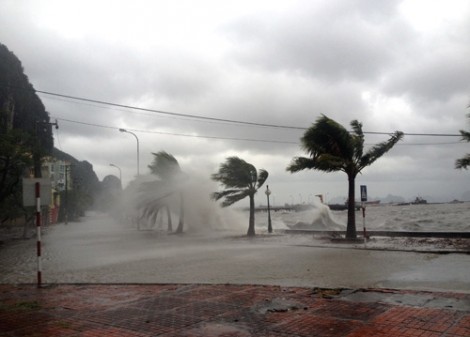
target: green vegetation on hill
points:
(26, 140)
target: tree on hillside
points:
(14, 161)
(83, 188)
(241, 180)
(167, 169)
(464, 163)
(332, 148)
(21, 108)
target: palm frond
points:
(465, 135)
(379, 150)
(165, 166)
(463, 163)
(300, 163)
(324, 162)
(240, 179)
(357, 128)
(330, 163)
(357, 140)
(235, 172)
(233, 198)
(262, 176)
(224, 193)
(327, 136)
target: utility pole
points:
(36, 151)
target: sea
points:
(387, 217)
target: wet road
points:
(97, 250)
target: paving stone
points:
(228, 311)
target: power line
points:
(178, 134)
(416, 134)
(168, 112)
(225, 120)
(136, 112)
(175, 114)
(222, 138)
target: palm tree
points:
(464, 163)
(166, 167)
(332, 148)
(153, 199)
(241, 179)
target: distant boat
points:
(373, 202)
(342, 207)
(419, 201)
(337, 207)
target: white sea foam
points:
(202, 213)
(427, 217)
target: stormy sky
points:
(392, 65)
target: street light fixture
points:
(137, 139)
(270, 227)
(120, 173)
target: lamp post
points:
(66, 211)
(137, 139)
(120, 173)
(270, 227)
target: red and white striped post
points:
(38, 229)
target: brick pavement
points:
(228, 310)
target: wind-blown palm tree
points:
(241, 180)
(464, 163)
(166, 167)
(153, 199)
(333, 148)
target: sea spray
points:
(429, 217)
(318, 217)
(146, 201)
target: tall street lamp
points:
(120, 173)
(66, 203)
(137, 139)
(270, 227)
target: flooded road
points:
(98, 250)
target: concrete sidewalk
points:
(228, 310)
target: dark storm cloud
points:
(334, 41)
(360, 59)
(439, 76)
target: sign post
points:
(363, 206)
(32, 197)
(37, 186)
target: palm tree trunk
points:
(251, 226)
(181, 221)
(170, 225)
(153, 218)
(351, 227)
